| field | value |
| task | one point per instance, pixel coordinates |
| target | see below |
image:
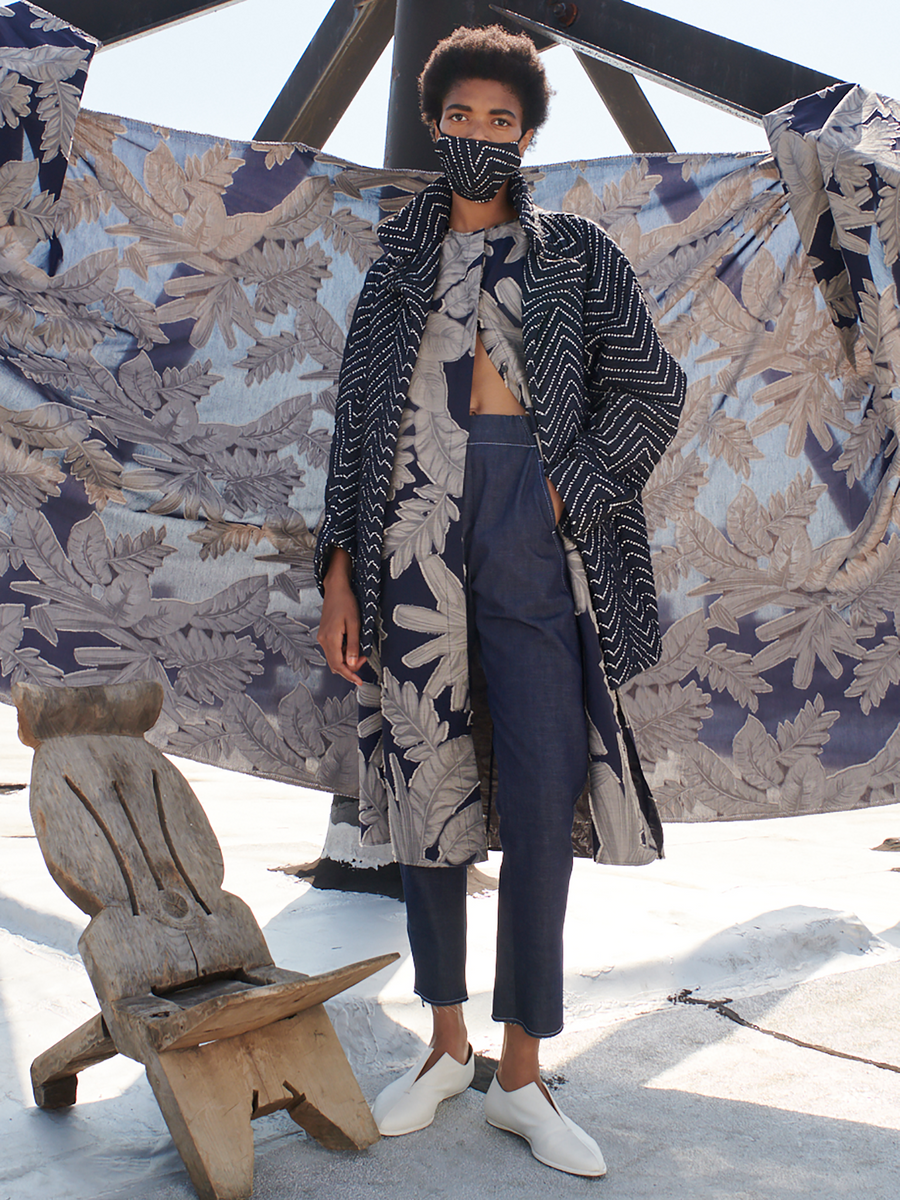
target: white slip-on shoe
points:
(410, 1102)
(555, 1140)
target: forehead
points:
(483, 94)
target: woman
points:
(503, 400)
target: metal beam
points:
(737, 78)
(705, 66)
(417, 30)
(334, 66)
(628, 107)
(117, 21)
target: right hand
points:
(340, 624)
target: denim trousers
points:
(522, 624)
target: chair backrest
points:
(126, 839)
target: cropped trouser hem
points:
(441, 1003)
(531, 1032)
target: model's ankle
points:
(440, 1048)
(449, 1035)
(513, 1081)
(457, 1048)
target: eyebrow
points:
(494, 112)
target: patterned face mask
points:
(477, 170)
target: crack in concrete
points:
(721, 1007)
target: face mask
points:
(477, 170)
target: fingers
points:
(346, 670)
(351, 645)
(349, 675)
(339, 638)
(338, 659)
(343, 666)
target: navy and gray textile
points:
(477, 170)
(43, 69)
(168, 392)
(605, 394)
(419, 781)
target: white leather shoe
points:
(555, 1140)
(410, 1102)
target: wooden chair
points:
(182, 973)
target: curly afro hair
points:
(486, 53)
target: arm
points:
(339, 626)
(338, 527)
(636, 392)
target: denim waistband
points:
(514, 429)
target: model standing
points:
(503, 400)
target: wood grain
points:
(181, 969)
(239, 1009)
(54, 1074)
(126, 708)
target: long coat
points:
(606, 398)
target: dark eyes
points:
(458, 117)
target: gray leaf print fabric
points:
(167, 408)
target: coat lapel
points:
(552, 330)
(412, 240)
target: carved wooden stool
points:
(181, 970)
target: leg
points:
(519, 1060)
(54, 1074)
(522, 614)
(524, 619)
(449, 1034)
(208, 1095)
(207, 1109)
(436, 924)
(299, 1064)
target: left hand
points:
(556, 500)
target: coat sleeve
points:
(338, 527)
(636, 392)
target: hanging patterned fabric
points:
(168, 393)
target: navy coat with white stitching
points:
(606, 396)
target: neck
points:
(467, 215)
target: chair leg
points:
(203, 1096)
(54, 1074)
(209, 1093)
(300, 1065)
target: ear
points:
(435, 131)
(525, 140)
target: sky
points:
(220, 73)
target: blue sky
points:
(220, 73)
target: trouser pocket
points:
(544, 488)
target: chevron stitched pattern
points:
(607, 397)
(484, 166)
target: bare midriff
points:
(489, 393)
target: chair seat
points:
(220, 1008)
